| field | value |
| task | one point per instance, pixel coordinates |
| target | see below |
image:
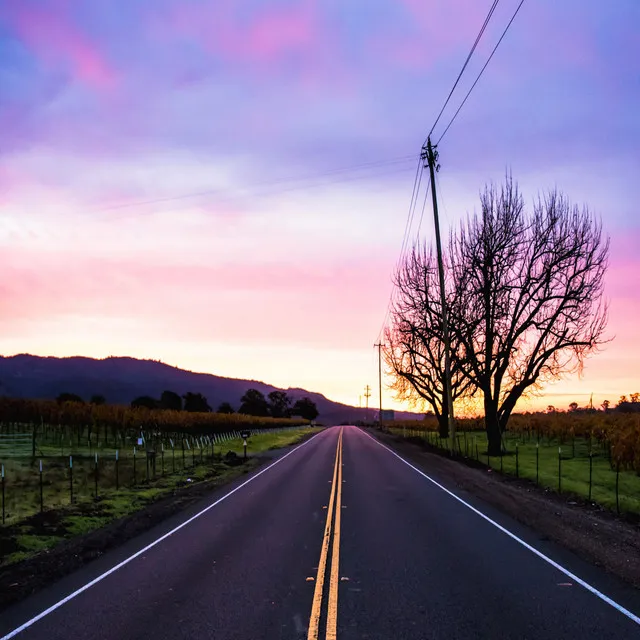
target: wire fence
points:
(577, 467)
(51, 479)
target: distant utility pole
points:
(431, 158)
(379, 346)
(367, 395)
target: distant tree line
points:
(253, 403)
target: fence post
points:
(590, 473)
(134, 466)
(117, 472)
(173, 456)
(162, 456)
(70, 479)
(559, 469)
(617, 488)
(41, 499)
(517, 462)
(96, 476)
(537, 462)
(3, 517)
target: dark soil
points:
(590, 531)
(30, 575)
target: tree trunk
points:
(492, 426)
(443, 425)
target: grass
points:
(267, 441)
(574, 466)
(61, 520)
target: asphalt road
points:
(339, 538)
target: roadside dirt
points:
(21, 579)
(590, 531)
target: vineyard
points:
(594, 455)
(55, 454)
(617, 433)
(69, 425)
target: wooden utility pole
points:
(367, 395)
(431, 158)
(379, 346)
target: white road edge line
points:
(102, 576)
(513, 536)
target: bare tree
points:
(414, 349)
(528, 305)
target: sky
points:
(224, 185)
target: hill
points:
(121, 379)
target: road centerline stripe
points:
(633, 617)
(332, 609)
(316, 607)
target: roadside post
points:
(537, 461)
(134, 466)
(244, 435)
(41, 500)
(173, 456)
(71, 479)
(517, 462)
(3, 494)
(559, 469)
(590, 473)
(96, 476)
(117, 472)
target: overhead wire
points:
(455, 115)
(278, 186)
(466, 63)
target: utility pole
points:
(379, 346)
(367, 395)
(431, 158)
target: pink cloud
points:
(266, 38)
(226, 302)
(52, 36)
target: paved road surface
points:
(340, 538)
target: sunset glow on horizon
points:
(223, 186)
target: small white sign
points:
(139, 441)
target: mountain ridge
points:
(120, 379)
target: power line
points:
(407, 232)
(283, 181)
(424, 205)
(270, 188)
(466, 62)
(455, 115)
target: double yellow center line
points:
(335, 504)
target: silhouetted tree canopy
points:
(305, 408)
(196, 403)
(146, 402)
(254, 403)
(524, 292)
(170, 400)
(225, 407)
(69, 397)
(279, 403)
(98, 399)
